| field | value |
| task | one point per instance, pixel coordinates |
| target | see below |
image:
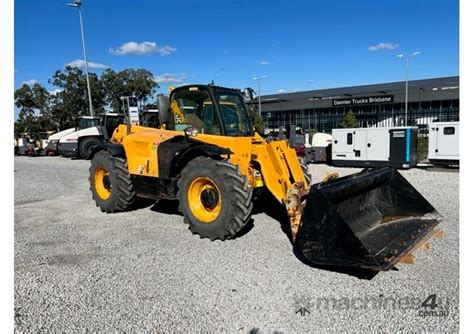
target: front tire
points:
(214, 198)
(110, 183)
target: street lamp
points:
(214, 74)
(77, 4)
(407, 57)
(258, 79)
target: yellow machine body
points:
(279, 166)
(206, 155)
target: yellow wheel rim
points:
(204, 199)
(103, 187)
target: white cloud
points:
(281, 91)
(144, 48)
(167, 78)
(54, 92)
(383, 46)
(29, 82)
(264, 62)
(80, 63)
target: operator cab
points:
(210, 109)
(85, 122)
(150, 118)
(110, 121)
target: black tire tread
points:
(125, 194)
(242, 194)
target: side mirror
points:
(164, 113)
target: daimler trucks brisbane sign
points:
(362, 100)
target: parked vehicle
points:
(88, 133)
(319, 149)
(25, 145)
(32, 143)
(150, 118)
(443, 145)
(373, 219)
(53, 140)
(363, 147)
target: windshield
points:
(85, 123)
(192, 107)
(234, 114)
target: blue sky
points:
(300, 45)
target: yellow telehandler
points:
(207, 156)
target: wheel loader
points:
(207, 156)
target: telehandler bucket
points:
(371, 220)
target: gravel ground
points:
(79, 269)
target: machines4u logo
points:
(433, 307)
(302, 305)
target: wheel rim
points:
(103, 187)
(204, 199)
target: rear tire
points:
(110, 183)
(86, 146)
(214, 198)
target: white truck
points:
(53, 140)
(88, 133)
(367, 147)
(443, 143)
(319, 150)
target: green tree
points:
(115, 86)
(349, 121)
(33, 103)
(142, 84)
(129, 82)
(256, 119)
(73, 99)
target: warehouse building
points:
(373, 105)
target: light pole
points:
(313, 111)
(77, 4)
(214, 74)
(258, 79)
(407, 57)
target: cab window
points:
(234, 114)
(85, 123)
(193, 107)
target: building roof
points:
(427, 88)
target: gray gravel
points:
(79, 269)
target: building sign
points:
(362, 100)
